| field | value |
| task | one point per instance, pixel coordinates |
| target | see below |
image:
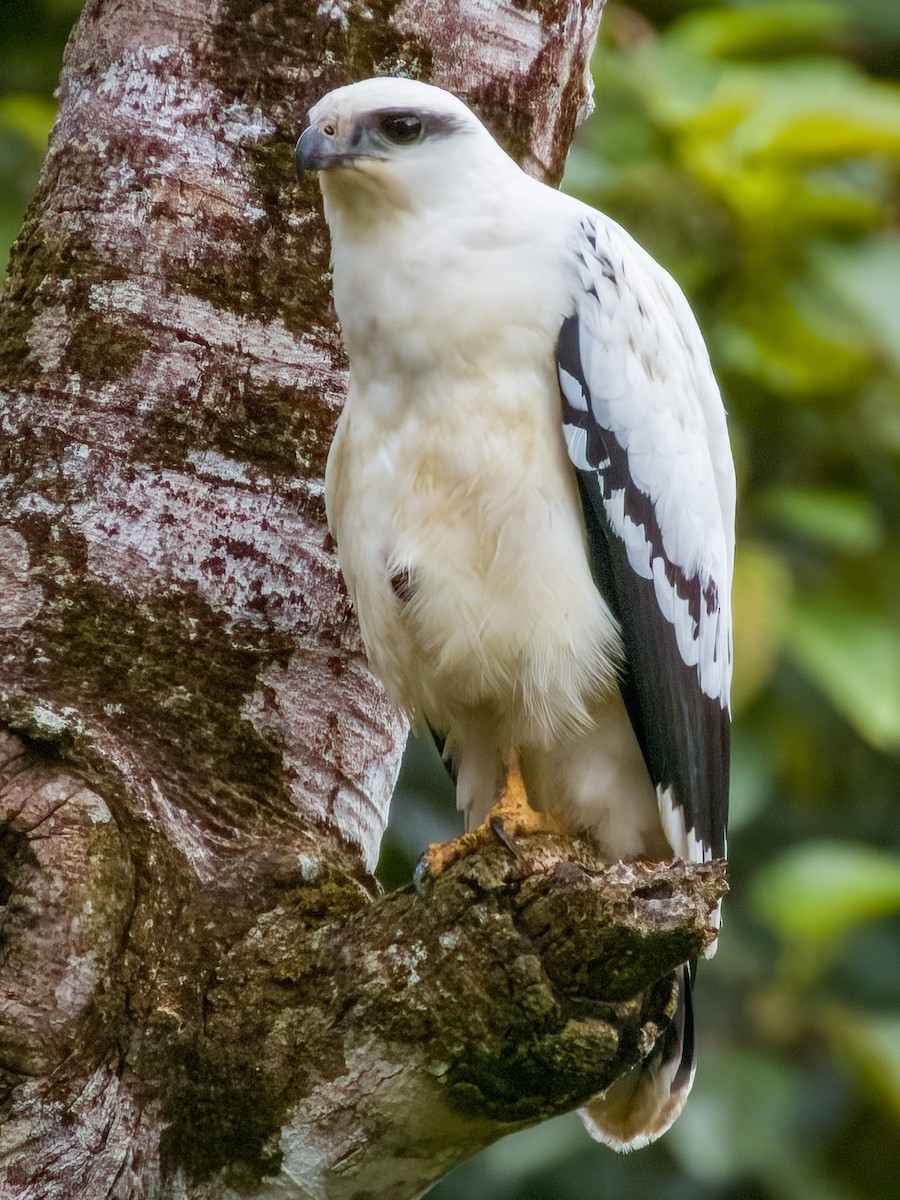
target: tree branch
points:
(515, 990)
(348, 1046)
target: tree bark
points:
(201, 992)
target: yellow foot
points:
(511, 817)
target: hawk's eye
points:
(401, 128)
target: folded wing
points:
(646, 433)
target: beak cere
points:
(316, 151)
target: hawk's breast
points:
(462, 542)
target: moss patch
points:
(281, 430)
(364, 43)
(221, 1111)
(101, 351)
(167, 671)
(538, 1071)
(50, 741)
(15, 853)
(49, 267)
(38, 264)
(279, 272)
(551, 12)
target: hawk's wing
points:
(646, 431)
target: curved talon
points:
(496, 824)
(437, 858)
(422, 876)
(510, 818)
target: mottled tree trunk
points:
(201, 994)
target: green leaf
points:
(840, 519)
(31, 117)
(872, 1043)
(760, 600)
(854, 657)
(786, 349)
(811, 111)
(764, 30)
(752, 782)
(867, 277)
(826, 111)
(822, 888)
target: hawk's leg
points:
(511, 817)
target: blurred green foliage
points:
(32, 36)
(754, 149)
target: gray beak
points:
(316, 151)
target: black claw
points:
(423, 880)
(499, 831)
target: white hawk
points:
(532, 494)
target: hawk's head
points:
(395, 139)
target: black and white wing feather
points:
(646, 431)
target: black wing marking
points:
(681, 719)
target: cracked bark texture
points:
(201, 993)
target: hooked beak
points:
(316, 151)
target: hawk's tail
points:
(641, 1105)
